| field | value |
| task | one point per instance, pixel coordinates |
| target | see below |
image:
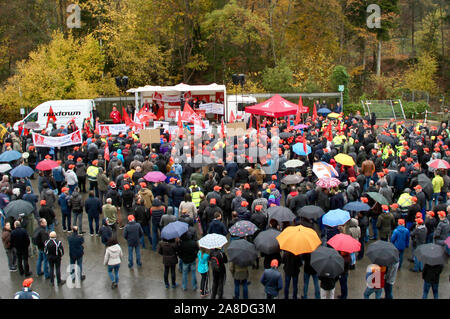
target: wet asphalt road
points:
(147, 282)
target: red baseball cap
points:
(43, 202)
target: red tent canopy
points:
(276, 106)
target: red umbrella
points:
(346, 243)
(46, 165)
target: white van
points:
(63, 110)
(237, 104)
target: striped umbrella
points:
(438, 164)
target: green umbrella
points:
(378, 198)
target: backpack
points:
(215, 263)
(35, 239)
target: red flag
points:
(305, 148)
(289, 123)
(222, 129)
(126, 118)
(328, 133)
(160, 113)
(106, 155)
(250, 125)
(51, 116)
(299, 110)
(314, 115)
(232, 118)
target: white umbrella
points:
(212, 241)
(4, 168)
(293, 163)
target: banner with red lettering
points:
(74, 138)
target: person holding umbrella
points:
(375, 280)
(418, 237)
(292, 264)
(218, 259)
(272, 280)
(430, 276)
(168, 249)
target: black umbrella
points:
(327, 262)
(426, 184)
(431, 254)
(311, 212)
(280, 214)
(242, 253)
(266, 241)
(385, 139)
(382, 253)
(284, 135)
(18, 207)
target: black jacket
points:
(48, 214)
(187, 251)
(142, 215)
(54, 249)
(298, 202)
(177, 194)
(20, 239)
(292, 263)
(76, 242)
(221, 257)
(431, 274)
(42, 237)
(93, 206)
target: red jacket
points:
(116, 117)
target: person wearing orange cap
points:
(442, 230)
(272, 280)
(400, 239)
(133, 233)
(27, 292)
(92, 172)
(418, 237)
(385, 223)
(63, 201)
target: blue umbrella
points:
(324, 110)
(10, 156)
(22, 171)
(174, 230)
(356, 207)
(298, 149)
(336, 217)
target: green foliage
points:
(421, 76)
(278, 79)
(340, 77)
(412, 109)
(66, 68)
(353, 108)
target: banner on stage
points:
(74, 138)
(113, 129)
(214, 108)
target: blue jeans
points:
(366, 184)
(155, 235)
(287, 283)
(237, 288)
(426, 289)
(430, 238)
(78, 261)
(91, 220)
(373, 221)
(66, 220)
(190, 268)
(343, 282)
(418, 265)
(388, 291)
(400, 256)
(306, 285)
(115, 277)
(77, 220)
(42, 258)
(72, 188)
(146, 230)
(51, 227)
(369, 291)
(175, 211)
(435, 198)
(130, 255)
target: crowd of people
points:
(391, 160)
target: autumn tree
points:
(421, 76)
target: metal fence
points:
(384, 109)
